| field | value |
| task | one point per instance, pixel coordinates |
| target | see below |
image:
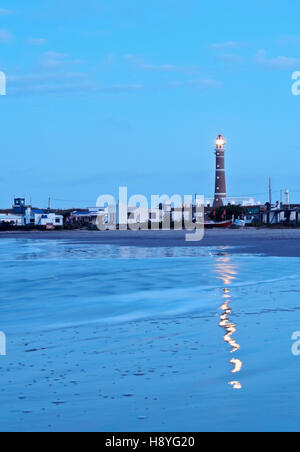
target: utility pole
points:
(270, 191)
(49, 202)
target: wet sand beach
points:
(273, 242)
(140, 331)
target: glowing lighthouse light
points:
(220, 142)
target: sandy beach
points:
(272, 242)
(140, 331)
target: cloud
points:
(227, 45)
(5, 36)
(96, 33)
(280, 62)
(5, 12)
(230, 58)
(110, 59)
(205, 82)
(197, 84)
(115, 124)
(55, 80)
(288, 39)
(202, 83)
(122, 88)
(50, 60)
(55, 60)
(63, 82)
(160, 68)
(36, 41)
(49, 83)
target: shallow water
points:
(173, 339)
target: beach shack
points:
(12, 219)
(282, 214)
(90, 216)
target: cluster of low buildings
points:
(23, 216)
(132, 216)
(26, 216)
(253, 214)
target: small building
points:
(90, 216)
(12, 219)
(42, 218)
(48, 219)
(244, 202)
(15, 216)
(254, 214)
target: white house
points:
(48, 219)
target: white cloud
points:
(55, 60)
(160, 68)
(230, 58)
(36, 41)
(227, 45)
(49, 83)
(5, 12)
(205, 82)
(50, 60)
(288, 39)
(198, 84)
(123, 88)
(96, 33)
(5, 36)
(280, 62)
(63, 82)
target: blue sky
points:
(129, 92)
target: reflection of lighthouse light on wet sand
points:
(220, 185)
(227, 274)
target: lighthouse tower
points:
(220, 187)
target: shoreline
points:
(271, 242)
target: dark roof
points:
(87, 212)
(37, 211)
(6, 211)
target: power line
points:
(265, 193)
(243, 196)
(73, 200)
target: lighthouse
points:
(220, 186)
